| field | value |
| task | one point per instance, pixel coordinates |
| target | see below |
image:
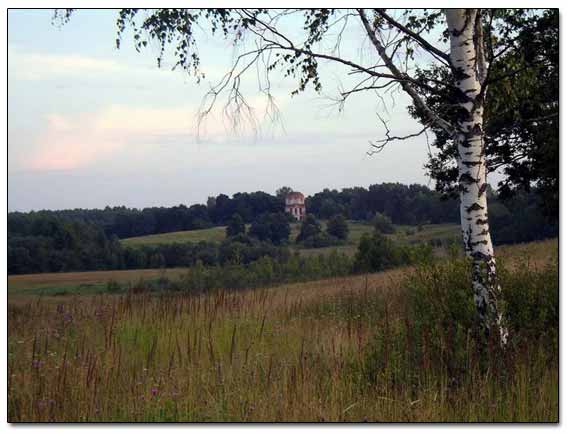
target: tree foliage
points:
(235, 226)
(282, 192)
(383, 224)
(337, 227)
(273, 227)
(310, 227)
(521, 109)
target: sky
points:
(91, 126)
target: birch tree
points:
(521, 122)
(470, 71)
(441, 59)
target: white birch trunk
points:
(469, 64)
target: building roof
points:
(295, 195)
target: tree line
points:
(57, 245)
(81, 240)
(404, 204)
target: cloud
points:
(78, 140)
(42, 66)
(72, 141)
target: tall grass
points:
(394, 346)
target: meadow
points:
(216, 233)
(404, 233)
(400, 345)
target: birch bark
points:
(470, 71)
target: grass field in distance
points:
(356, 230)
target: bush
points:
(383, 224)
(337, 227)
(243, 250)
(232, 252)
(419, 253)
(113, 286)
(264, 271)
(321, 239)
(310, 228)
(377, 253)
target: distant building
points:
(295, 205)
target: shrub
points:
(419, 253)
(310, 227)
(320, 239)
(337, 227)
(113, 286)
(383, 224)
(263, 272)
(232, 252)
(376, 253)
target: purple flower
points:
(154, 391)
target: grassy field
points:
(214, 234)
(82, 282)
(412, 234)
(217, 234)
(348, 349)
(356, 230)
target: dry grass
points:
(83, 281)
(291, 353)
(535, 254)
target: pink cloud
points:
(70, 143)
